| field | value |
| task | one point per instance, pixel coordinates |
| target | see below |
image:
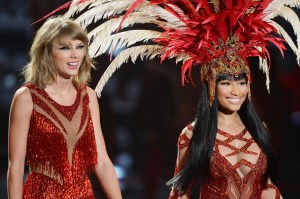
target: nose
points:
(235, 89)
(74, 53)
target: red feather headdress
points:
(216, 35)
(219, 38)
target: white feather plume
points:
(263, 65)
(105, 8)
(104, 36)
(289, 15)
(101, 12)
(110, 26)
(277, 5)
(76, 8)
(178, 11)
(143, 51)
(101, 32)
(288, 39)
(161, 13)
(182, 57)
(282, 8)
(121, 40)
(96, 3)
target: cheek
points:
(82, 54)
(245, 90)
(83, 57)
(221, 91)
(221, 94)
(57, 57)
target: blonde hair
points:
(40, 70)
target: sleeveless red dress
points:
(232, 176)
(61, 148)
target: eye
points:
(80, 47)
(64, 48)
(226, 83)
(243, 83)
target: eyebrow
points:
(68, 43)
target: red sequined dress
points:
(237, 168)
(61, 148)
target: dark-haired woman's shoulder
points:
(184, 142)
(186, 135)
(188, 130)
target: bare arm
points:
(182, 155)
(19, 120)
(104, 170)
(183, 152)
(271, 192)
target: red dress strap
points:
(271, 186)
(183, 140)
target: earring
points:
(211, 90)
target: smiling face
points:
(67, 56)
(231, 94)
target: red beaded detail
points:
(224, 180)
(236, 151)
(61, 147)
(272, 186)
(190, 127)
(183, 140)
(67, 111)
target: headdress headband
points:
(217, 35)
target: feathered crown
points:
(217, 35)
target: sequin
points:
(183, 140)
(235, 172)
(61, 148)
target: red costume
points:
(61, 147)
(232, 177)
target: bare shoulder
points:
(94, 105)
(23, 95)
(22, 102)
(188, 130)
(91, 93)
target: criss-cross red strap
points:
(243, 149)
(183, 140)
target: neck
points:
(61, 85)
(228, 118)
(230, 123)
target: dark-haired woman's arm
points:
(271, 191)
(182, 155)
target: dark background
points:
(144, 107)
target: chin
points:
(236, 108)
(231, 108)
(73, 73)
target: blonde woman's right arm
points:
(19, 120)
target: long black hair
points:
(196, 169)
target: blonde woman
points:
(55, 121)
